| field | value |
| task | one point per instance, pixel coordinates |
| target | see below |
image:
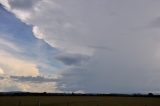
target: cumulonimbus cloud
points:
(87, 28)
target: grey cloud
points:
(72, 80)
(22, 4)
(100, 47)
(1, 77)
(38, 79)
(72, 59)
(155, 23)
(113, 75)
(132, 68)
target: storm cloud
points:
(103, 45)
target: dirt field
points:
(77, 101)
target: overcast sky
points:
(94, 46)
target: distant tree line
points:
(75, 94)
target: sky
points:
(86, 46)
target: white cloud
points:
(32, 87)
(8, 84)
(5, 3)
(37, 32)
(4, 44)
(19, 67)
(1, 71)
(11, 64)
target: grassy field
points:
(78, 101)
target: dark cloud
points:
(1, 77)
(72, 81)
(38, 79)
(1, 5)
(155, 23)
(72, 59)
(22, 4)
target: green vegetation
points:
(78, 101)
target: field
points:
(77, 101)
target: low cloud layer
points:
(37, 79)
(104, 46)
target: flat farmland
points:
(78, 101)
